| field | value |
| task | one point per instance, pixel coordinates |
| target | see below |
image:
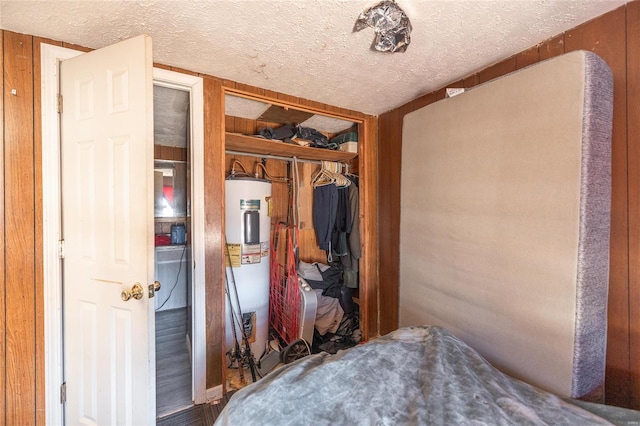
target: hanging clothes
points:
(325, 208)
(350, 262)
(342, 225)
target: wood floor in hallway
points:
(173, 365)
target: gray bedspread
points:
(415, 375)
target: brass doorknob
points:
(153, 288)
(135, 292)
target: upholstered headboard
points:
(505, 212)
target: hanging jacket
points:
(325, 205)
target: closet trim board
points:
(633, 143)
(389, 167)
(39, 240)
(3, 292)
(214, 227)
(368, 283)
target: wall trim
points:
(214, 394)
(195, 85)
(50, 57)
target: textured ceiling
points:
(306, 47)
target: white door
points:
(107, 204)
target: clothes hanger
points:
(323, 177)
(341, 180)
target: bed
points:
(504, 262)
(415, 375)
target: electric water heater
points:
(248, 228)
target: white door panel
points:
(107, 205)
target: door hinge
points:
(63, 393)
(61, 249)
(59, 106)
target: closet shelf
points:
(253, 145)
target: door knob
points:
(153, 288)
(135, 292)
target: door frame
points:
(51, 222)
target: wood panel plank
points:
(389, 166)
(369, 281)
(497, 70)
(249, 89)
(39, 242)
(288, 98)
(279, 191)
(306, 173)
(229, 122)
(423, 101)
(19, 218)
(171, 153)
(456, 84)
(270, 94)
(527, 57)
(310, 252)
(245, 126)
(633, 143)
(227, 83)
(313, 104)
(606, 37)
(471, 81)
(552, 47)
(214, 228)
(3, 364)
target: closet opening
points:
(292, 228)
(173, 250)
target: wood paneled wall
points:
(22, 386)
(615, 37)
(21, 365)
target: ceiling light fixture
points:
(391, 24)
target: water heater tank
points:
(248, 228)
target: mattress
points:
(505, 218)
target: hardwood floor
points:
(173, 364)
(198, 415)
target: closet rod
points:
(273, 157)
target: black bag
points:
(286, 131)
(318, 140)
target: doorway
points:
(172, 225)
(51, 56)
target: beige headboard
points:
(505, 210)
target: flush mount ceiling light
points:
(391, 24)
